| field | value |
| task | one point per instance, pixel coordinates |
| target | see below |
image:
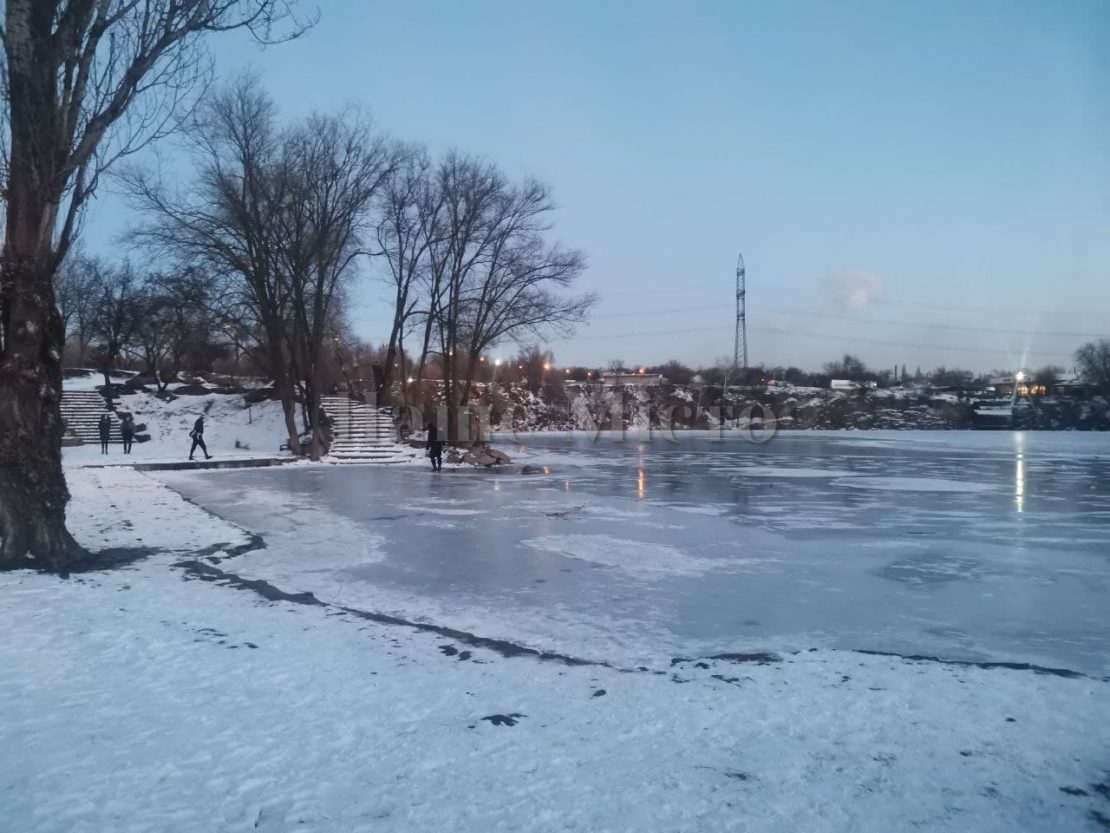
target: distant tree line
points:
(257, 253)
(1092, 365)
(162, 324)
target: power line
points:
(667, 311)
(909, 344)
(932, 325)
(821, 336)
(605, 336)
(991, 309)
(694, 287)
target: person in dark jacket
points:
(105, 428)
(197, 435)
(435, 447)
(127, 431)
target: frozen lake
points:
(982, 546)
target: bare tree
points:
(491, 274)
(281, 214)
(947, 377)
(1045, 379)
(850, 367)
(178, 328)
(674, 372)
(88, 82)
(154, 334)
(406, 229)
(226, 222)
(535, 365)
(1093, 359)
(76, 295)
(121, 305)
(332, 168)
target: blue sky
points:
(918, 183)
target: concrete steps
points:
(361, 433)
(81, 411)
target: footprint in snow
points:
(504, 719)
(451, 650)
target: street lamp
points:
(234, 344)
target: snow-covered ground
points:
(231, 430)
(88, 379)
(378, 663)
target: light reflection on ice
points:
(873, 539)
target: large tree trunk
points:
(289, 410)
(284, 387)
(384, 386)
(33, 492)
(319, 445)
(393, 351)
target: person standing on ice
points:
(105, 428)
(435, 447)
(127, 431)
(197, 435)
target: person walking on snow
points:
(127, 431)
(197, 435)
(105, 428)
(435, 447)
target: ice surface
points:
(963, 545)
(779, 471)
(640, 558)
(914, 484)
(133, 700)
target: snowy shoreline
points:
(243, 670)
(198, 706)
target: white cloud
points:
(854, 290)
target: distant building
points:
(615, 380)
(1022, 385)
(1012, 385)
(1072, 385)
(851, 384)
